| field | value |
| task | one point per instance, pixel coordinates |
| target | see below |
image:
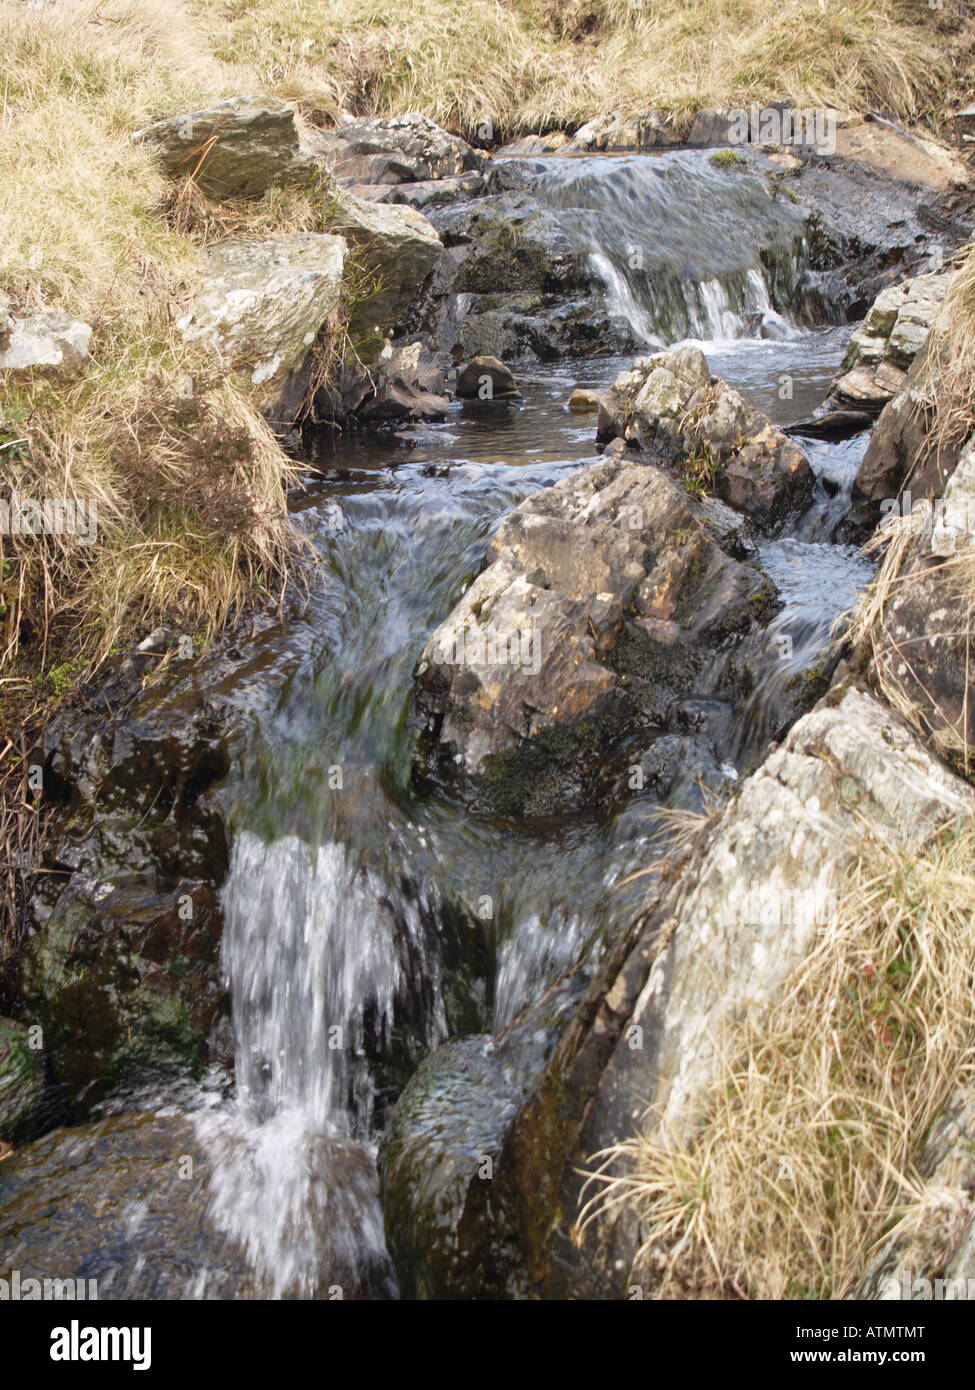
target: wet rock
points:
(485, 378)
(124, 980)
(396, 149)
(444, 1135)
(692, 424)
(583, 402)
(262, 306)
(236, 149)
(397, 246)
(700, 956)
(603, 602)
(21, 1078)
(41, 340)
(127, 1203)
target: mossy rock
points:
(21, 1078)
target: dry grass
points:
(533, 64)
(803, 1156)
(949, 374)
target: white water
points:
(309, 948)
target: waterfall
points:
(314, 958)
(680, 249)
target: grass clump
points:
(804, 1154)
(539, 64)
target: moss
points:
(726, 159)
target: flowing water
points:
(364, 921)
(681, 248)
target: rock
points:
(396, 149)
(127, 1203)
(445, 1133)
(41, 340)
(537, 144)
(262, 306)
(921, 648)
(485, 378)
(612, 132)
(396, 246)
(21, 1078)
(602, 603)
(893, 333)
(691, 424)
(407, 385)
(698, 958)
(124, 980)
(585, 402)
(429, 193)
(236, 149)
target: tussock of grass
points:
(949, 369)
(531, 64)
(804, 1154)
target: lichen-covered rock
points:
(603, 602)
(397, 246)
(394, 149)
(21, 1078)
(41, 340)
(262, 305)
(690, 423)
(893, 333)
(406, 384)
(235, 149)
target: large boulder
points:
(603, 604)
(128, 1203)
(124, 980)
(394, 149)
(235, 149)
(21, 1078)
(397, 247)
(692, 424)
(716, 944)
(262, 306)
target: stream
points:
(365, 923)
(367, 920)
